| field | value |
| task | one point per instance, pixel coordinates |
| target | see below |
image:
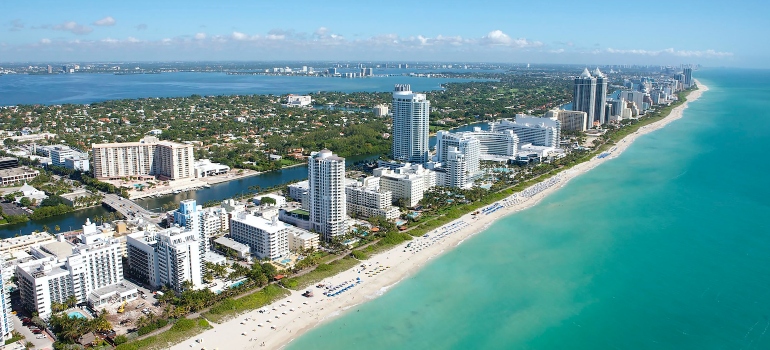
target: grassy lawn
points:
(323, 271)
(229, 308)
(181, 330)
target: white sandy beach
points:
(289, 318)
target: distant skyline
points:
(599, 32)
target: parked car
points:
(40, 336)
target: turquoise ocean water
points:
(665, 247)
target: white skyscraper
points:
(584, 96)
(410, 125)
(6, 324)
(326, 194)
(468, 146)
(168, 257)
(458, 174)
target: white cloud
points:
(105, 22)
(670, 51)
(131, 39)
(73, 27)
(321, 31)
(240, 36)
(200, 36)
(16, 25)
(498, 38)
(45, 41)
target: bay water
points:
(665, 247)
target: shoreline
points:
(287, 319)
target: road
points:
(128, 208)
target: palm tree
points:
(57, 228)
(71, 300)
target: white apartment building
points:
(9, 247)
(457, 175)
(411, 112)
(6, 323)
(147, 157)
(326, 194)
(267, 238)
(365, 199)
(570, 120)
(59, 153)
(408, 182)
(64, 269)
(380, 111)
(298, 100)
(80, 163)
(466, 144)
(204, 168)
(300, 239)
(529, 129)
(298, 190)
(167, 257)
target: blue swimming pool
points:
(76, 314)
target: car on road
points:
(40, 336)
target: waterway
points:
(216, 192)
(88, 88)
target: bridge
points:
(128, 208)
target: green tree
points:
(25, 202)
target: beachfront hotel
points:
(408, 182)
(149, 157)
(529, 129)
(570, 120)
(410, 125)
(62, 269)
(326, 194)
(266, 238)
(365, 199)
(166, 257)
(466, 144)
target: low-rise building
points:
(10, 246)
(300, 239)
(298, 100)
(296, 217)
(18, 175)
(225, 245)
(205, 168)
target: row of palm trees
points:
(70, 329)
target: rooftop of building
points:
(147, 140)
(8, 243)
(230, 243)
(16, 171)
(269, 226)
(61, 250)
(121, 288)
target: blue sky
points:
(596, 32)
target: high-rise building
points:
(410, 125)
(365, 199)
(601, 97)
(535, 130)
(167, 257)
(6, 323)
(64, 269)
(584, 96)
(570, 120)
(326, 194)
(458, 172)
(148, 157)
(469, 146)
(408, 182)
(687, 77)
(267, 238)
